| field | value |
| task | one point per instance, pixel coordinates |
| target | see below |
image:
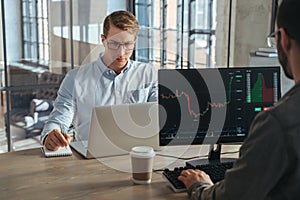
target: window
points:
(35, 31)
(176, 34)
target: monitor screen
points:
(215, 105)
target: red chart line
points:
(190, 110)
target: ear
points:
(102, 38)
(285, 41)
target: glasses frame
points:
(118, 45)
(274, 33)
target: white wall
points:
(222, 33)
(250, 27)
(250, 24)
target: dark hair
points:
(288, 16)
(123, 20)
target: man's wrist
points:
(44, 139)
(193, 189)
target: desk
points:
(28, 175)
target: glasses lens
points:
(113, 45)
(129, 45)
(116, 45)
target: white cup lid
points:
(142, 151)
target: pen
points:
(62, 131)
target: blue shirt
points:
(94, 84)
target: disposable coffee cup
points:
(142, 164)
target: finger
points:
(50, 145)
(54, 138)
(54, 141)
(68, 138)
(204, 177)
(202, 173)
(181, 178)
(186, 172)
(61, 138)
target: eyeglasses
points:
(271, 41)
(116, 45)
(274, 33)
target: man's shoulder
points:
(142, 67)
(80, 70)
(287, 110)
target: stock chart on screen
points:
(213, 105)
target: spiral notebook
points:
(62, 151)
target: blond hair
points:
(123, 20)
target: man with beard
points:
(269, 163)
(112, 79)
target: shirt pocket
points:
(138, 96)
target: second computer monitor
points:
(215, 105)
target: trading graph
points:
(207, 107)
(261, 88)
(190, 99)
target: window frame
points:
(35, 33)
(186, 32)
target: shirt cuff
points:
(191, 189)
(194, 188)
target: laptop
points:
(115, 129)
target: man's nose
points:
(121, 49)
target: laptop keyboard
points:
(216, 171)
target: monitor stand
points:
(213, 157)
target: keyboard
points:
(216, 171)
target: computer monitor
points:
(213, 105)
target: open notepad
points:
(62, 151)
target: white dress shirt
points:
(94, 84)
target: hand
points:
(55, 139)
(190, 176)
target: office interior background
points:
(41, 40)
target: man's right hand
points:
(55, 139)
(190, 176)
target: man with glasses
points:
(112, 79)
(269, 163)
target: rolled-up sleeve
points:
(63, 111)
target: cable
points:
(181, 158)
(194, 157)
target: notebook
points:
(62, 151)
(115, 129)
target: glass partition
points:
(44, 40)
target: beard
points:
(283, 60)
